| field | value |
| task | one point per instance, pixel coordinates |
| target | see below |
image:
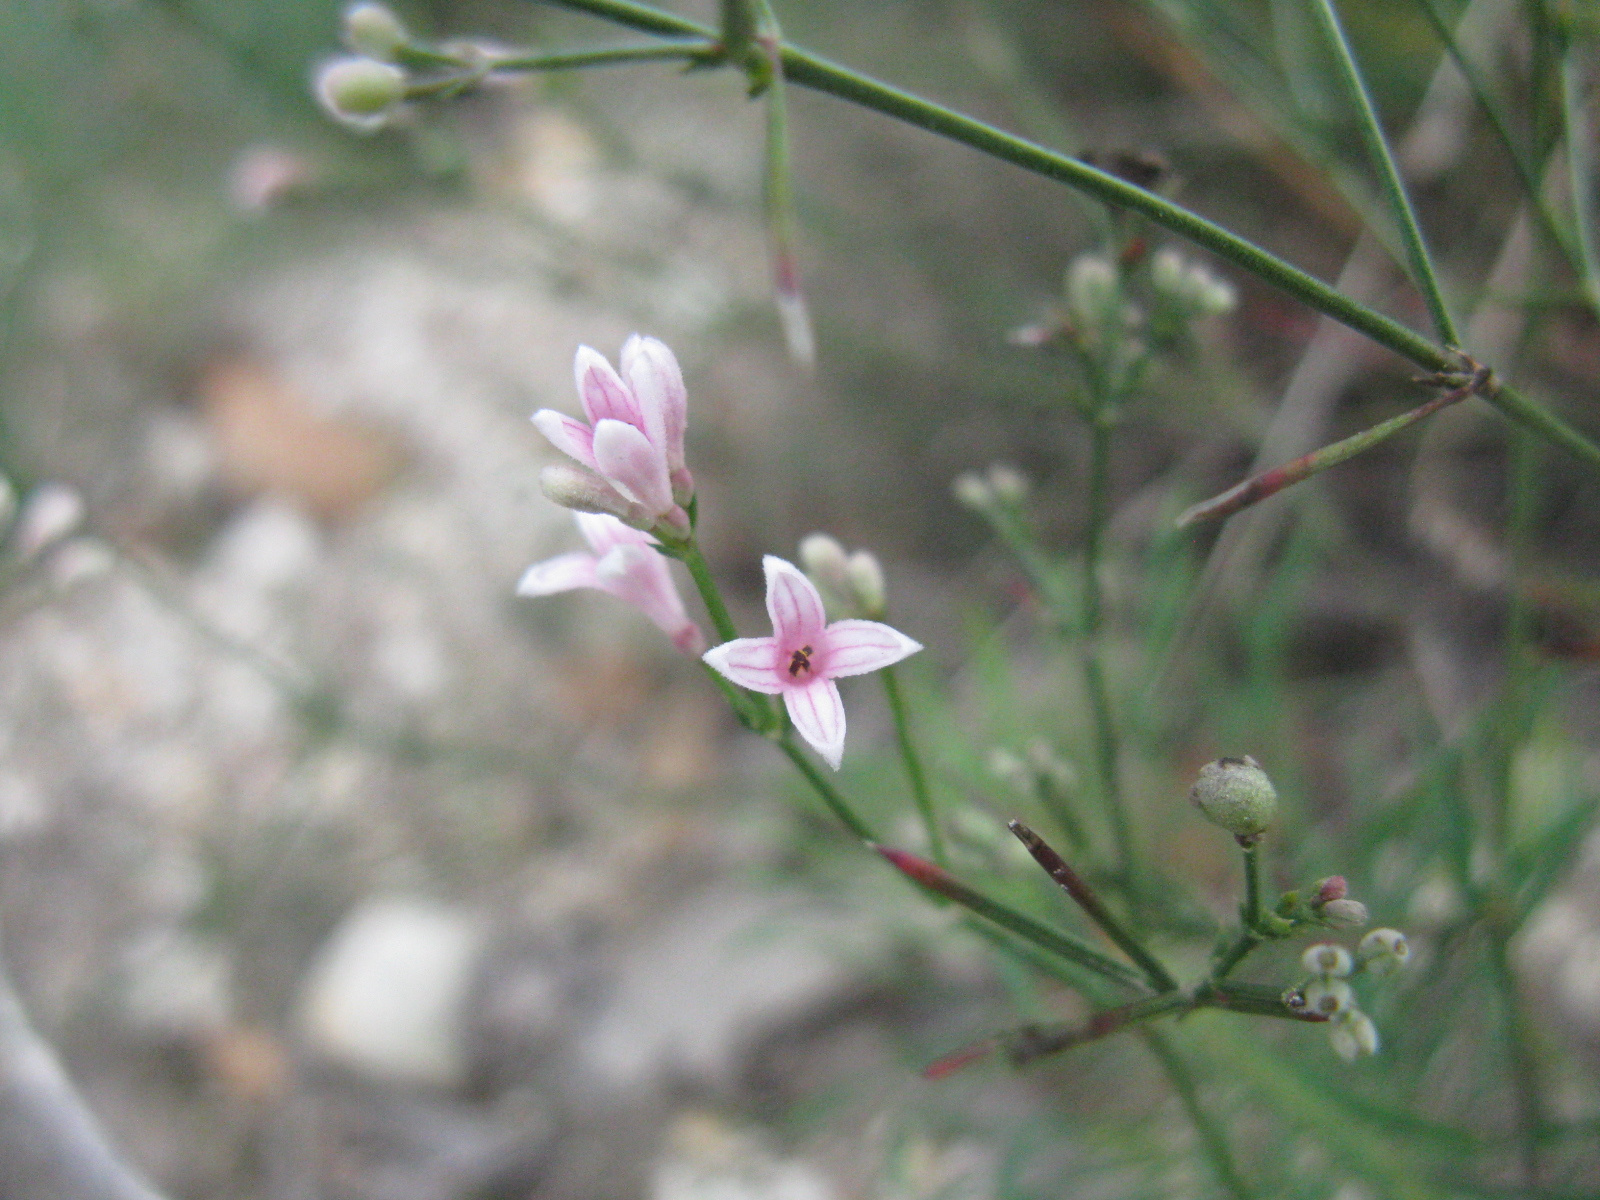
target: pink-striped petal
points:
(632, 465)
(604, 532)
(651, 372)
(818, 716)
(855, 647)
(560, 574)
(572, 438)
(749, 662)
(605, 397)
(639, 575)
(793, 604)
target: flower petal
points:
(572, 438)
(793, 604)
(603, 532)
(749, 662)
(632, 465)
(651, 371)
(856, 647)
(605, 397)
(641, 577)
(559, 574)
(818, 716)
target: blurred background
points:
(332, 869)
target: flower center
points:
(800, 662)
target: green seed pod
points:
(1236, 794)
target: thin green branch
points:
(1252, 886)
(1524, 1060)
(1086, 899)
(1213, 1142)
(692, 49)
(913, 763)
(1418, 260)
(1527, 174)
(1581, 165)
(1107, 751)
(705, 583)
(1268, 483)
(829, 794)
(939, 881)
(810, 70)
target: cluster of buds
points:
(851, 584)
(1328, 994)
(1000, 487)
(364, 89)
(1190, 288)
(630, 454)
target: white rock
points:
(386, 995)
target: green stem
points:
(1259, 487)
(1033, 1042)
(1094, 680)
(1581, 165)
(698, 48)
(1252, 888)
(913, 764)
(810, 70)
(1394, 189)
(706, 584)
(1527, 175)
(1213, 1142)
(829, 794)
(1064, 945)
(1524, 1061)
(1091, 904)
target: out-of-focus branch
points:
(51, 1147)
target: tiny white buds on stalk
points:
(972, 491)
(851, 584)
(1000, 485)
(1236, 794)
(360, 92)
(1010, 485)
(1189, 286)
(1328, 997)
(866, 580)
(1353, 1034)
(1093, 291)
(1383, 951)
(1327, 960)
(374, 31)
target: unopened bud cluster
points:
(851, 584)
(1189, 288)
(41, 533)
(1327, 992)
(366, 88)
(1000, 486)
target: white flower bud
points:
(1343, 913)
(374, 31)
(1327, 960)
(1009, 485)
(50, 513)
(573, 487)
(825, 561)
(972, 491)
(1353, 1034)
(1328, 997)
(866, 582)
(1190, 286)
(1092, 292)
(360, 92)
(1236, 794)
(1383, 951)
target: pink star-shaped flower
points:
(626, 564)
(805, 655)
(634, 439)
